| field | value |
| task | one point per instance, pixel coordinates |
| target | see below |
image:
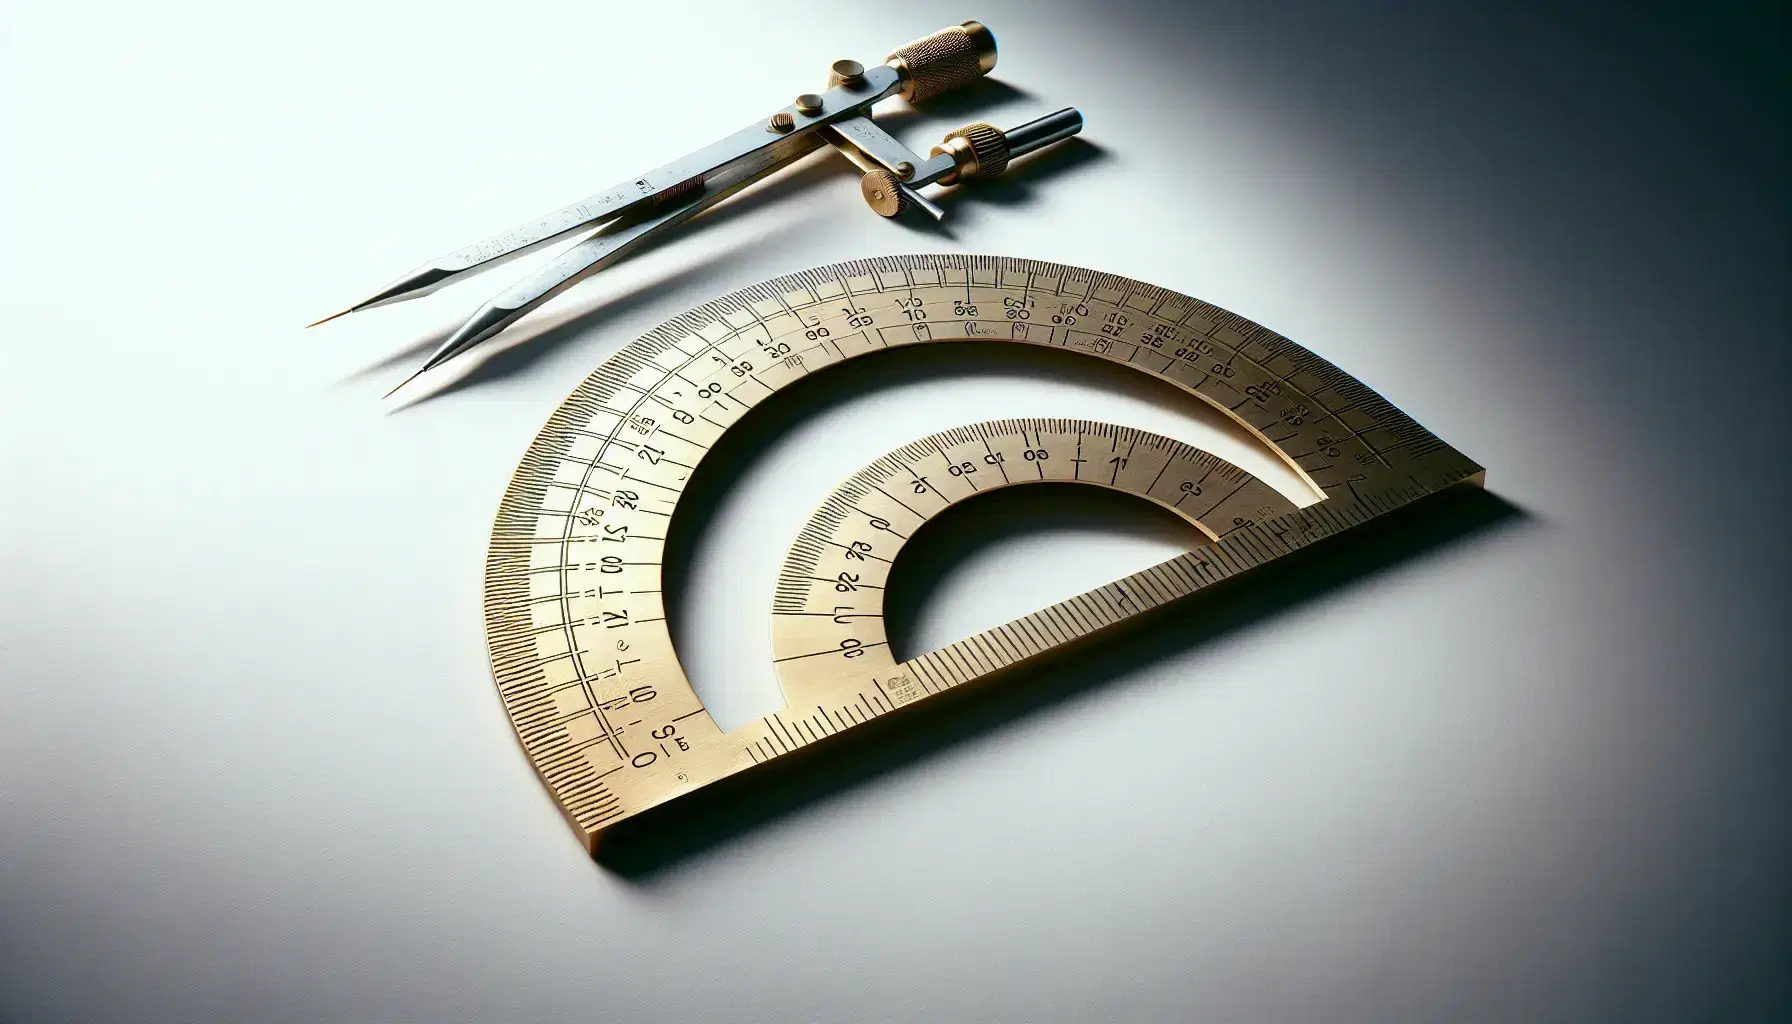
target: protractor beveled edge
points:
(580, 651)
(828, 612)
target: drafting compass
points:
(574, 616)
(635, 212)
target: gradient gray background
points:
(251, 764)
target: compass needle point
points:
(329, 318)
(403, 382)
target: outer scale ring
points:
(576, 629)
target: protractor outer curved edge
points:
(575, 624)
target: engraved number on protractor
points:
(827, 618)
(574, 617)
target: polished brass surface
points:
(984, 42)
(979, 150)
(944, 61)
(574, 615)
(809, 104)
(883, 192)
(828, 614)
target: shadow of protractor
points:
(645, 846)
(650, 844)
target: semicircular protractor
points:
(574, 617)
(828, 616)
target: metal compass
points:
(645, 208)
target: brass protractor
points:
(575, 622)
(828, 616)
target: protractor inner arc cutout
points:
(574, 614)
(828, 616)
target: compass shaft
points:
(656, 189)
(607, 247)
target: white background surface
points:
(251, 763)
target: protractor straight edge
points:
(575, 619)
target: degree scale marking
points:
(591, 683)
(827, 617)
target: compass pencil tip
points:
(329, 318)
(403, 382)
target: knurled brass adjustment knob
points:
(883, 192)
(944, 61)
(980, 151)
